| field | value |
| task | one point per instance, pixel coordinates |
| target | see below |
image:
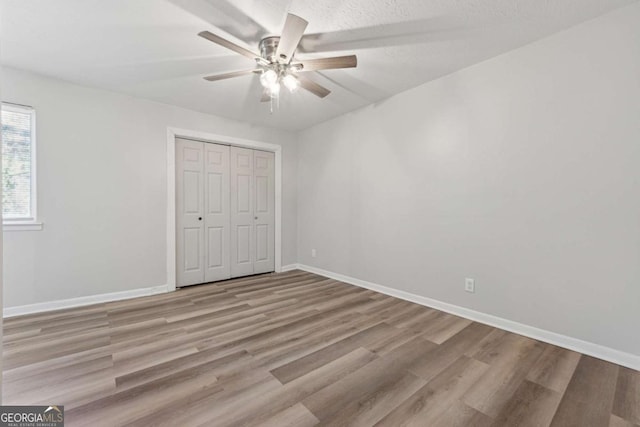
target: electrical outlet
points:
(469, 285)
(313, 253)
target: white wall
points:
(522, 172)
(1, 246)
(102, 190)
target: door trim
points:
(172, 134)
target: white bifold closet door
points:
(225, 221)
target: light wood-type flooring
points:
(297, 349)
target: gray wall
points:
(1, 262)
(522, 172)
(101, 164)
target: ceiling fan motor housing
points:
(268, 47)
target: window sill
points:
(22, 226)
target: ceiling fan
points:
(276, 63)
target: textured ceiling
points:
(149, 48)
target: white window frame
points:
(31, 223)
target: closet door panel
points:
(242, 222)
(190, 244)
(217, 212)
(264, 218)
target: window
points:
(18, 168)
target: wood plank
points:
(172, 366)
(242, 411)
(372, 406)
(588, 399)
(448, 352)
(515, 357)
(194, 408)
(555, 368)
(626, 403)
(294, 416)
(461, 415)
(444, 328)
(532, 405)
(380, 373)
(308, 363)
(431, 402)
(616, 421)
(142, 400)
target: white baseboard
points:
(288, 267)
(596, 350)
(80, 301)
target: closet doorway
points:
(224, 211)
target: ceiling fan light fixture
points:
(290, 82)
(269, 78)
(274, 89)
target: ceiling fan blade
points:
(230, 75)
(313, 87)
(266, 96)
(429, 30)
(291, 35)
(350, 61)
(229, 45)
(224, 15)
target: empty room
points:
(331, 212)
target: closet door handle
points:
(199, 218)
